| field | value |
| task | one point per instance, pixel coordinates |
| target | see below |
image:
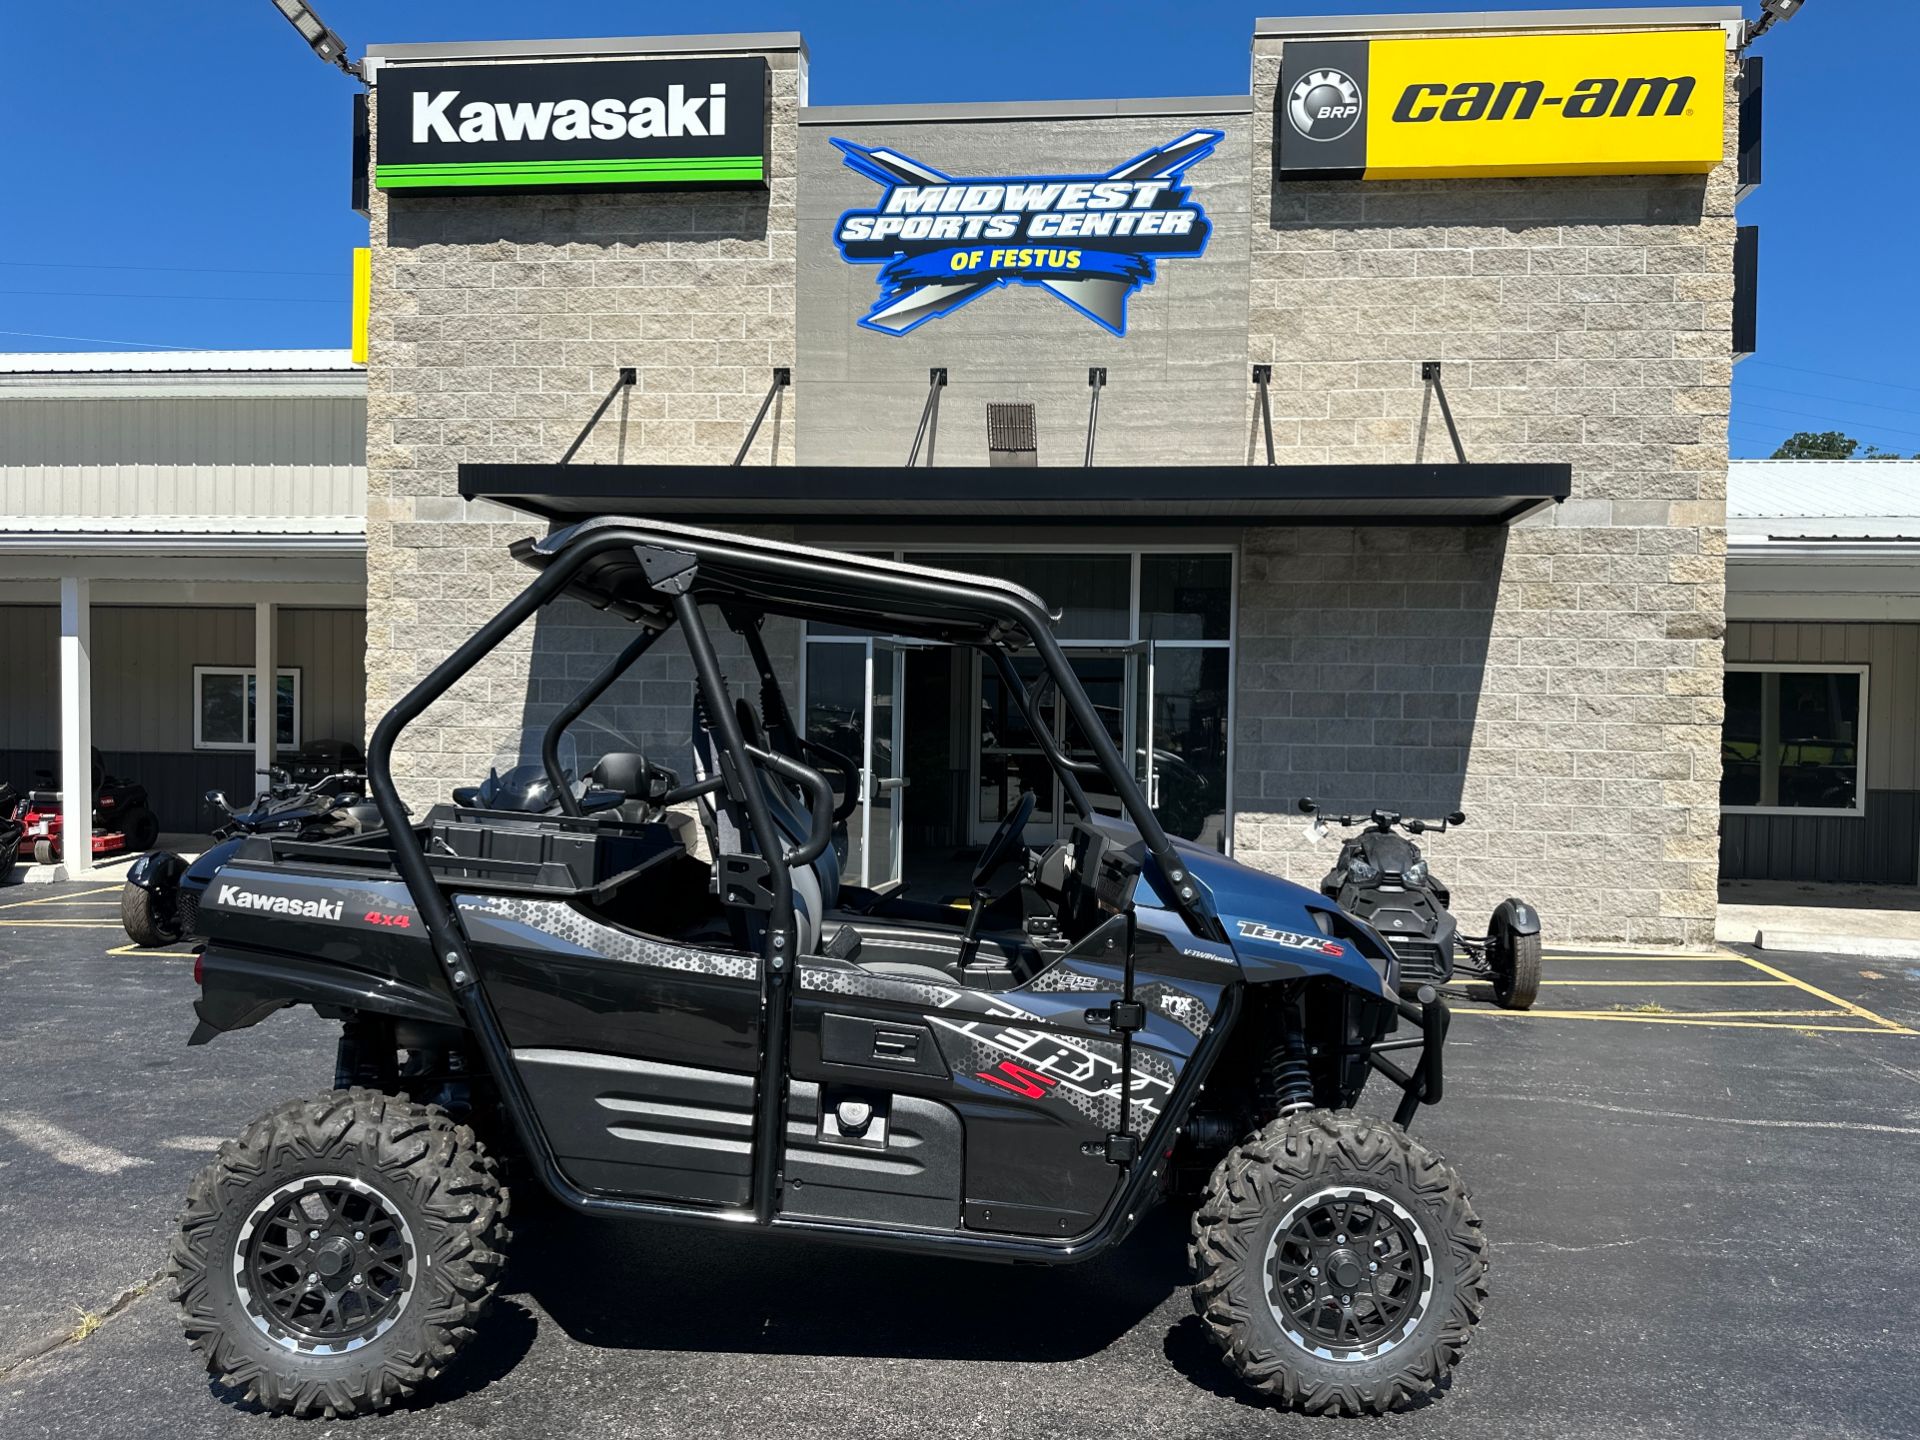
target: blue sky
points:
(177, 174)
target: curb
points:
(1865, 946)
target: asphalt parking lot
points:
(1696, 1174)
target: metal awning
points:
(1448, 494)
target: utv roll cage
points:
(656, 576)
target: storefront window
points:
(223, 709)
(1186, 597)
(1793, 739)
(1091, 591)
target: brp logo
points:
(1324, 104)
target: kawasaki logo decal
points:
(942, 241)
(1644, 102)
(232, 897)
(612, 124)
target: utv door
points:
(640, 1054)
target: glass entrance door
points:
(1010, 760)
(853, 708)
(884, 783)
(1184, 757)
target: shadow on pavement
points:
(632, 1286)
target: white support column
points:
(266, 707)
(76, 724)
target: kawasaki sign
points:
(1636, 103)
(574, 125)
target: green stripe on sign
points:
(656, 171)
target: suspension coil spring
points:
(1289, 1081)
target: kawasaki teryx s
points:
(730, 1035)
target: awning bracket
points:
(627, 377)
(782, 378)
(1263, 377)
(1096, 381)
(1430, 376)
(929, 416)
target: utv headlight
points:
(1416, 873)
(1364, 872)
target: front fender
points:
(200, 874)
(157, 872)
(1517, 916)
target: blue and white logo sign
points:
(943, 241)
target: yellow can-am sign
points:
(1644, 103)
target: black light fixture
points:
(1772, 10)
(324, 43)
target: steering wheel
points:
(1006, 841)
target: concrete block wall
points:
(1176, 381)
(498, 324)
(1560, 681)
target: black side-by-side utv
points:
(728, 1036)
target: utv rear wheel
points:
(1339, 1265)
(145, 919)
(1514, 960)
(334, 1258)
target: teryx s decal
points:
(1292, 939)
(1011, 1075)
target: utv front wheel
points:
(334, 1258)
(1340, 1267)
(145, 919)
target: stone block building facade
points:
(1557, 677)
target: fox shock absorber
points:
(1287, 1079)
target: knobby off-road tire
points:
(141, 914)
(417, 1188)
(1390, 1202)
(1515, 963)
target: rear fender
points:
(1517, 916)
(157, 872)
(240, 987)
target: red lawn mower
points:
(122, 823)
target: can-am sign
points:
(1640, 103)
(943, 241)
(585, 125)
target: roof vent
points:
(1010, 435)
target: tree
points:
(1817, 445)
(1829, 445)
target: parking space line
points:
(152, 954)
(62, 899)
(59, 924)
(1629, 1018)
(1818, 993)
(1684, 984)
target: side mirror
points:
(1458, 817)
(1307, 807)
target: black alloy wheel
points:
(1348, 1273)
(324, 1262)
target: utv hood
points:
(1280, 930)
